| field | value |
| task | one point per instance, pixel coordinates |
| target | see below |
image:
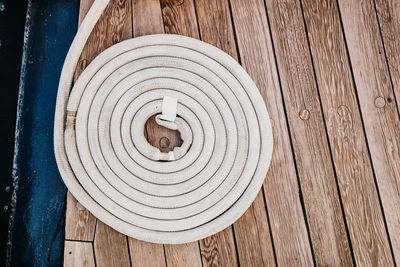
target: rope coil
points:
(195, 190)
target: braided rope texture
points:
(111, 169)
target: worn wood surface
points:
(77, 253)
(378, 106)
(110, 247)
(292, 247)
(350, 153)
(146, 254)
(329, 75)
(313, 160)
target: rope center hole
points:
(161, 137)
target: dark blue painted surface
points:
(12, 20)
(38, 219)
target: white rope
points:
(195, 190)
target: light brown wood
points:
(110, 247)
(281, 189)
(143, 10)
(147, 17)
(180, 17)
(389, 19)
(348, 145)
(216, 28)
(115, 25)
(219, 249)
(79, 222)
(183, 255)
(378, 108)
(78, 254)
(253, 237)
(146, 254)
(313, 160)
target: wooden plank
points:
(146, 254)
(252, 236)
(79, 222)
(348, 145)
(378, 108)
(281, 189)
(389, 20)
(313, 160)
(183, 255)
(251, 232)
(110, 247)
(147, 17)
(180, 18)
(114, 25)
(143, 10)
(219, 249)
(78, 254)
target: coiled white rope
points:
(105, 161)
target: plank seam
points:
(363, 127)
(197, 19)
(290, 138)
(386, 59)
(327, 135)
(269, 226)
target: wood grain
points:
(147, 17)
(292, 247)
(389, 20)
(146, 254)
(348, 145)
(378, 108)
(114, 26)
(110, 247)
(216, 28)
(78, 254)
(313, 160)
(80, 224)
(252, 236)
(218, 249)
(143, 10)
(180, 18)
(183, 255)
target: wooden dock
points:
(329, 72)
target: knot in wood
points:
(304, 114)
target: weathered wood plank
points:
(378, 108)
(313, 160)
(143, 10)
(252, 235)
(348, 145)
(78, 254)
(219, 249)
(114, 26)
(183, 255)
(389, 19)
(147, 17)
(79, 222)
(180, 18)
(110, 247)
(281, 189)
(146, 254)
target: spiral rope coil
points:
(192, 192)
